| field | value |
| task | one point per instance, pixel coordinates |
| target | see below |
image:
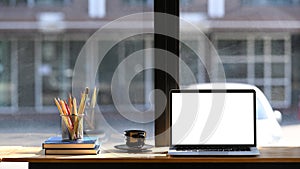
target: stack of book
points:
(87, 145)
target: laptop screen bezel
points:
(252, 91)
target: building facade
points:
(40, 40)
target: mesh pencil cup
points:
(89, 119)
(72, 127)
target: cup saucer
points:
(125, 147)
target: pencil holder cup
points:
(89, 122)
(71, 127)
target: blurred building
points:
(40, 40)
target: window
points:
(55, 60)
(190, 58)
(252, 48)
(138, 2)
(49, 2)
(31, 3)
(139, 90)
(270, 2)
(36, 66)
(12, 2)
(263, 60)
(6, 84)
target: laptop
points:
(213, 122)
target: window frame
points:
(162, 80)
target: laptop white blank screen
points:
(213, 118)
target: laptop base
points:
(253, 152)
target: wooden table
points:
(274, 157)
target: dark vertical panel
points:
(26, 73)
(295, 68)
(163, 26)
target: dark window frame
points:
(162, 80)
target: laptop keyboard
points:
(198, 149)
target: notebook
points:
(213, 122)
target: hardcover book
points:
(56, 142)
(78, 151)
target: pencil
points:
(84, 97)
(70, 101)
(74, 106)
(58, 107)
(94, 97)
(81, 104)
(76, 119)
(67, 108)
(93, 104)
(66, 119)
(66, 113)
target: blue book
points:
(56, 142)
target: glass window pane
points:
(235, 70)
(278, 93)
(195, 64)
(21, 2)
(49, 2)
(75, 49)
(52, 71)
(259, 47)
(277, 47)
(26, 72)
(39, 55)
(232, 47)
(270, 2)
(5, 74)
(138, 2)
(259, 70)
(252, 52)
(277, 70)
(111, 61)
